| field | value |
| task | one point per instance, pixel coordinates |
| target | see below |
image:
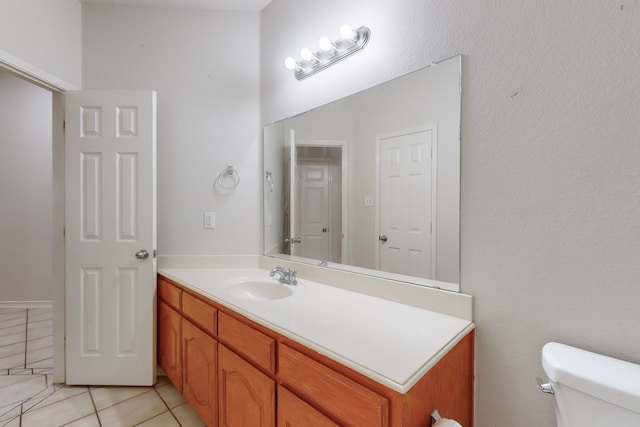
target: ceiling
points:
(255, 5)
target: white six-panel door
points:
(313, 213)
(110, 223)
(405, 208)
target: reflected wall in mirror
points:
(371, 182)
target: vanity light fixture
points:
(350, 42)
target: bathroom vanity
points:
(304, 359)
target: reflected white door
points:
(313, 184)
(405, 207)
(110, 222)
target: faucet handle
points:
(292, 277)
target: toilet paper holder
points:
(435, 416)
(437, 420)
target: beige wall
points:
(26, 229)
(550, 164)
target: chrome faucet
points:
(287, 275)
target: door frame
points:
(434, 189)
(342, 145)
(58, 87)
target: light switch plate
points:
(209, 220)
(368, 201)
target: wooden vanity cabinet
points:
(199, 372)
(229, 368)
(344, 399)
(253, 345)
(295, 412)
(247, 396)
(170, 332)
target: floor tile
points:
(20, 371)
(187, 416)
(45, 363)
(58, 395)
(104, 397)
(9, 329)
(36, 399)
(13, 318)
(13, 361)
(166, 419)
(59, 413)
(39, 343)
(9, 412)
(38, 314)
(39, 329)
(17, 388)
(36, 355)
(27, 387)
(14, 337)
(161, 380)
(11, 423)
(89, 421)
(12, 349)
(133, 411)
(170, 395)
(4, 310)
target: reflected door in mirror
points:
(405, 202)
(313, 186)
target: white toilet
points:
(591, 390)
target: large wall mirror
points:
(371, 182)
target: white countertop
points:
(392, 343)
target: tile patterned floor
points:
(28, 398)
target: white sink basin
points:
(260, 290)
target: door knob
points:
(324, 230)
(296, 240)
(142, 254)
(382, 238)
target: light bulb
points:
(347, 33)
(306, 54)
(290, 63)
(325, 44)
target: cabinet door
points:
(247, 396)
(169, 351)
(348, 402)
(199, 372)
(294, 412)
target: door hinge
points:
(64, 124)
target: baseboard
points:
(26, 304)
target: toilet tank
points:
(592, 390)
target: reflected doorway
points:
(319, 201)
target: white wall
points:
(26, 229)
(45, 34)
(550, 164)
(204, 66)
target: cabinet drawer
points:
(199, 312)
(245, 340)
(169, 294)
(294, 412)
(345, 400)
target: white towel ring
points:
(229, 174)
